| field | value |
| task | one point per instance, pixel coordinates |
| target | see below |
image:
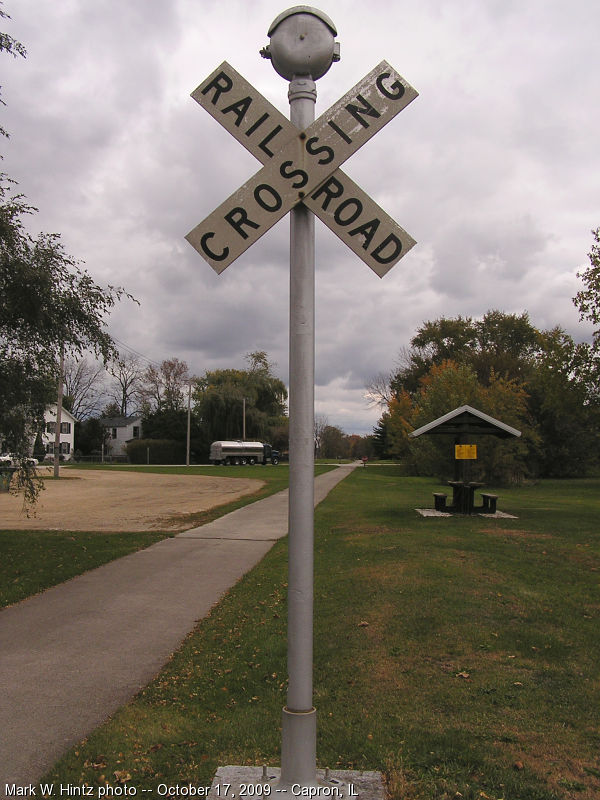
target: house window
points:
(113, 433)
(51, 427)
(65, 448)
(65, 427)
(136, 431)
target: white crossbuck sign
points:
(302, 166)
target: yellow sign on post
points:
(465, 452)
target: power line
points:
(136, 352)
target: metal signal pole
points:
(302, 49)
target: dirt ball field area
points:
(102, 500)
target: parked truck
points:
(240, 452)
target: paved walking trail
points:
(71, 656)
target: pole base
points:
(262, 782)
(298, 748)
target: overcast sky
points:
(493, 169)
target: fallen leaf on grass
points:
(363, 624)
(121, 776)
(465, 675)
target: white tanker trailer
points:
(239, 452)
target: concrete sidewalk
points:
(71, 656)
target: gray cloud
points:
(491, 169)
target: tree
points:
(84, 387)
(445, 387)
(381, 443)
(221, 397)
(588, 300)
(587, 363)
(499, 342)
(559, 402)
(171, 425)
(46, 302)
(321, 422)
(126, 388)
(559, 379)
(334, 443)
(111, 410)
(378, 391)
(362, 446)
(163, 388)
(90, 436)
(9, 45)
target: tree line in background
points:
(223, 404)
(538, 381)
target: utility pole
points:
(59, 402)
(189, 423)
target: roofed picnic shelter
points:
(464, 423)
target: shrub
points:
(156, 451)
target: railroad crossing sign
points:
(302, 166)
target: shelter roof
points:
(467, 419)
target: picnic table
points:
(463, 496)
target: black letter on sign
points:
(391, 239)
(239, 109)
(339, 131)
(267, 139)
(222, 83)
(314, 151)
(257, 124)
(354, 215)
(261, 202)
(242, 219)
(367, 108)
(329, 193)
(367, 229)
(216, 257)
(399, 87)
(285, 173)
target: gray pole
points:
(59, 404)
(189, 415)
(302, 49)
(298, 758)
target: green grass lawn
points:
(31, 561)
(459, 656)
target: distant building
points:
(67, 432)
(121, 430)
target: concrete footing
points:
(431, 512)
(260, 782)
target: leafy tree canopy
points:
(541, 382)
(445, 387)
(220, 396)
(499, 342)
(46, 301)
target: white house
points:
(67, 432)
(120, 431)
